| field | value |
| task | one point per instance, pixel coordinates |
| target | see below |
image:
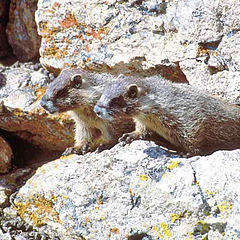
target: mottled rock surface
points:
(133, 192)
(4, 4)
(22, 30)
(21, 89)
(6, 155)
(178, 39)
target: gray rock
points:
(135, 191)
(20, 93)
(5, 236)
(22, 30)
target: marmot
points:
(76, 91)
(192, 121)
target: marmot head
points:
(120, 99)
(68, 91)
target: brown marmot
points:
(191, 120)
(76, 91)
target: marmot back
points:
(76, 91)
(189, 119)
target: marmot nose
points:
(98, 110)
(102, 112)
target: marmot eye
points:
(76, 80)
(132, 91)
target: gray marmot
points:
(76, 91)
(191, 120)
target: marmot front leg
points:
(139, 133)
(83, 138)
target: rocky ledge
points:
(134, 192)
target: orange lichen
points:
(87, 48)
(114, 230)
(40, 92)
(69, 21)
(56, 5)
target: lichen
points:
(201, 228)
(178, 216)
(38, 209)
(162, 230)
(143, 177)
(173, 164)
(224, 206)
(165, 229)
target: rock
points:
(135, 192)
(181, 40)
(22, 114)
(100, 36)
(4, 48)
(6, 155)
(3, 197)
(5, 236)
(218, 72)
(22, 29)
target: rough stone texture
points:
(134, 192)
(117, 36)
(4, 4)
(195, 39)
(20, 93)
(22, 29)
(6, 155)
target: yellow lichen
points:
(224, 206)
(176, 216)
(39, 210)
(160, 236)
(154, 228)
(179, 215)
(165, 229)
(143, 177)
(173, 164)
(165, 175)
(212, 193)
(190, 236)
(17, 112)
(202, 227)
(66, 157)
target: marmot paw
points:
(127, 138)
(79, 151)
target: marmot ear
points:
(132, 91)
(76, 80)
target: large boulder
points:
(22, 30)
(134, 192)
(175, 38)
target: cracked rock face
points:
(135, 191)
(194, 40)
